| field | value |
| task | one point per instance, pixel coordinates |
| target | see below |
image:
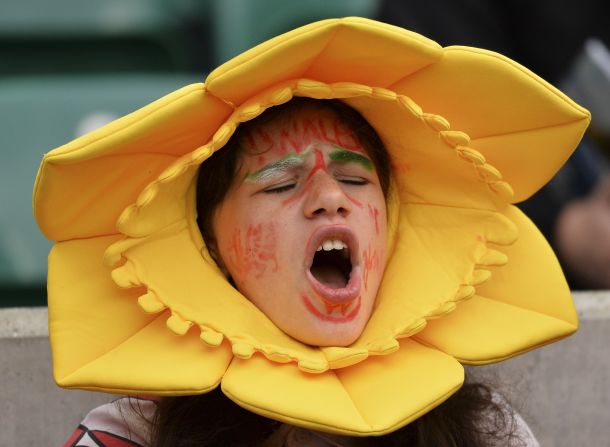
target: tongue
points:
(329, 276)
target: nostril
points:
(341, 211)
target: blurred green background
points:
(70, 66)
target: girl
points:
(325, 260)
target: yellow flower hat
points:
(469, 278)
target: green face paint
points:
(344, 156)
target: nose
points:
(326, 197)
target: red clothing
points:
(122, 423)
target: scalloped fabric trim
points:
(165, 209)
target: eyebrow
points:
(286, 163)
(345, 156)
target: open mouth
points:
(333, 271)
(331, 264)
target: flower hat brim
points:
(469, 278)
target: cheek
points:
(373, 255)
(372, 260)
(251, 251)
(373, 211)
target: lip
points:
(332, 318)
(329, 296)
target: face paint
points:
(255, 253)
(343, 156)
(330, 318)
(345, 137)
(372, 261)
(374, 213)
(297, 135)
(313, 129)
(318, 166)
(262, 140)
(299, 195)
(277, 167)
(354, 201)
(308, 207)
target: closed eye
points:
(353, 180)
(276, 189)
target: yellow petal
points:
(426, 166)
(524, 126)
(532, 279)
(525, 304)
(432, 266)
(373, 397)
(110, 166)
(351, 49)
(482, 330)
(525, 169)
(484, 93)
(391, 391)
(88, 313)
(102, 340)
(182, 365)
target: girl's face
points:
(302, 231)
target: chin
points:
(326, 335)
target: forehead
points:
(296, 130)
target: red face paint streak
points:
(374, 213)
(261, 161)
(354, 201)
(265, 142)
(319, 165)
(268, 252)
(297, 196)
(302, 137)
(257, 253)
(323, 131)
(311, 130)
(343, 319)
(235, 252)
(289, 142)
(345, 137)
(371, 262)
(297, 137)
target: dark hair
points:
(471, 417)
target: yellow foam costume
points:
(136, 305)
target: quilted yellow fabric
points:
(136, 305)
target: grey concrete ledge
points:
(24, 322)
(593, 304)
(29, 322)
